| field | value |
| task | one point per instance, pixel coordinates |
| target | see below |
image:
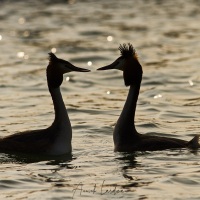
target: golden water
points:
(166, 35)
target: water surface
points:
(166, 35)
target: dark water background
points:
(166, 35)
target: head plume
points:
(132, 71)
(127, 50)
(52, 57)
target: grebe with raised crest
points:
(56, 139)
(125, 136)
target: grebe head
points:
(64, 66)
(57, 67)
(128, 63)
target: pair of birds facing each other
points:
(56, 139)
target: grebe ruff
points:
(125, 136)
(56, 139)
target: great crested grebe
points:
(56, 139)
(126, 138)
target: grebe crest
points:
(127, 50)
(52, 57)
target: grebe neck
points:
(129, 109)
(125, 130)
(61, 126)
(54, 80)
(61, 116)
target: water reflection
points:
(20, 54)
(129, 159)
(129, 163)
(110, 38)
(53, 50)
(26, 34)
(191, 83)
(22, 158)
(170, 53)
(89, 63)
(21, 20)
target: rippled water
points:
(166, 35)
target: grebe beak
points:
(117, 64)
(77, 69)
(70, 67)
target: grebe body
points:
(56, 139)
(125, 136)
